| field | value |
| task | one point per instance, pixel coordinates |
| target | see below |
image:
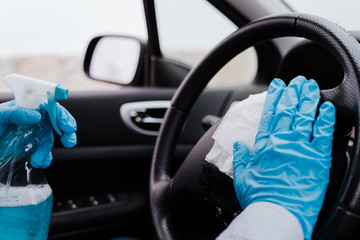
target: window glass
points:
(48, 39)
(344, 12)
(189, 29)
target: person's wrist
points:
(264, 220)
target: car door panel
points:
(113, 160)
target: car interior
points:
(139, 167)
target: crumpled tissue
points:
(240, 123)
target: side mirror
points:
(115, 59)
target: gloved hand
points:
(290, 162)
(14, 115)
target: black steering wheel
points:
(200, 180)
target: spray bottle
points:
(25, 195)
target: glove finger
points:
(18, 116)
(305, 116)
(8, 104)
(273, 96)
(47, 161)
(288, 104)
(324, 128)
(68, 126)
(69, 140)
(42, 157)
(65, 120)
(241, 158)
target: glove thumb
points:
(241, 158)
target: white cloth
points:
(240, 123)
(263, 221)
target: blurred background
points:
(48, 39)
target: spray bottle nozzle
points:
(37, 94)
(61, 92)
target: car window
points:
(189, 29)
(48, 39)
(345, 12)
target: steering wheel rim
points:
(345, 97)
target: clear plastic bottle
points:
(25, 195)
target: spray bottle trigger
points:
(50, 107)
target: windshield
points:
(343, 12)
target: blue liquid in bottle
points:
(25, 222)
(25, 196)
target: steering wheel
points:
(200, 180)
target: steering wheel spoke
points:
(200, 181)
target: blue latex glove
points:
(41, 158)
(290, 162)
